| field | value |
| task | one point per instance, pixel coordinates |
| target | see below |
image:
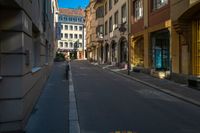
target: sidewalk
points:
(50, 114)
(180, 91)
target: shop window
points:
(196, 48)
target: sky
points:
(72, 3)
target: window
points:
(71, 44)
(61, 27)
(66, 35)
(71, 35)
(99, 12)
(61, 35)
(99, 31)
(138, 9)
(115, 1)
(36, 50)
(70, 19)
(110, 24)
(159, 3)
(110, 4)
(66, 44)
(80, 28)
(75, 28)
(61, 44)
(75, 36)
(106, 6)
(116, 20)
(106, 26)
(124, 13)
(71, 27)
(66, 27)
(80, 36)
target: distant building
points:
(90, 31)
(72, 33)
(27, 42)
(107, 31)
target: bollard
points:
(67, 71)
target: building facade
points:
(116, 32)
(186, 41)
(26, 56)
(91, 31)
(108, 25)
(72, 36)
(150, 39)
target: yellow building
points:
(185, 40)
(151, 29)
(99, 24)
(91, 31)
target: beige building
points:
(91, 31)
(26, 56)
(116, 32)
(185, 16)
(108, 31)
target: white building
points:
(72, 33)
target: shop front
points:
(161, 53)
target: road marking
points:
(73, 113)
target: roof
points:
(72, 12)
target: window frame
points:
(124, 6)
(157, 4)
(116, 19)
(110, 24)
(139, 10)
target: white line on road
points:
(73, 113)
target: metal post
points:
(129, 36)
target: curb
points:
(181, 97)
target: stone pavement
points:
(51, 112)
(181, 91)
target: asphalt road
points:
(107, 102)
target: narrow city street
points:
(107, 102)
